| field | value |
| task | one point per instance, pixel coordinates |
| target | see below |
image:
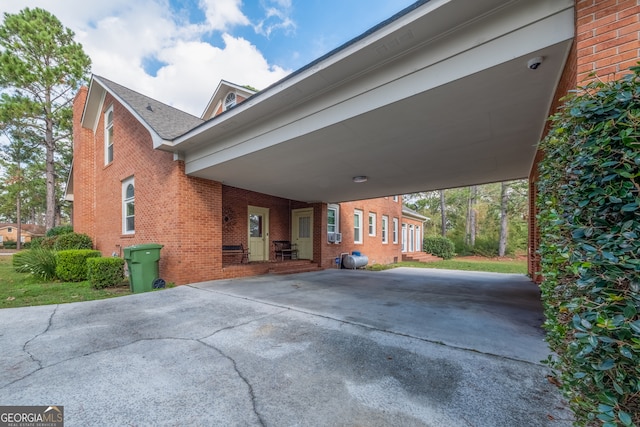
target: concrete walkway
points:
(405, 347)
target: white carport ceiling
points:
(412, 106)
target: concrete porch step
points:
(294, 266)
(420, 257)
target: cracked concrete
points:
(404, 347)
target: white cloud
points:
(277, 17)
(120, 35)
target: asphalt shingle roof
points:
(168, 122)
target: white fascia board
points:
(501, 37)
(96, 108)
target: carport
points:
(447, 93)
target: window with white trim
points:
(108, 136)
(333, 223)
(395, 230)
(404, 237)
(128, 206)
(419, 242)
(372, 224)
(395, 198)
(412, 238)
(385, 229)
(357, 226)
(230, 100)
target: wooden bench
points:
(236, 250)
(284, 248)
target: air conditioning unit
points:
(334, 237)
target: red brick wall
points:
(171, 209)
(607, 44)
(607, 38)
(371, 246)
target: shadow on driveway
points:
(405, 347)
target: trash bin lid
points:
(144, 247)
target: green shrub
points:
(71, 265)
(59, 230)
(9, 244)
(37, 261)
(47, 242)
(589, 218)
(486, 247)
(105, 272)
(439, 246)
(69, 241)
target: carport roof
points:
(438, 96)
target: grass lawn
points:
(22, 289)
(467, 264)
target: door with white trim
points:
(258, 225)
(302, 232)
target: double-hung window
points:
(128, 206)
(108, 136)
(395, 230)
(372, 224)
(357, 226)
(385, 229)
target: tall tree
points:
(13, 157)
(443, 213)
(41, 67)
(504, 225)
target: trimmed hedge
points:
(71, 265)
(9, 244)
(589, 218)
(105, 272)
(68, 241)
(439, 246)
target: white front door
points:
(302, 232)
(258, 234)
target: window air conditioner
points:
(338, 237)
(331, 237)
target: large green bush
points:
(71, 265)
(68, 241)
(59, 230)
(9, 244)
(105, 272)
(439, 246)
(38, 261)
(589, 217)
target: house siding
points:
(607, 44)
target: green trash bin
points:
(142, 261)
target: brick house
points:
(9, 232)
(441, 95)
(125, 192)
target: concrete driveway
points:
(403, 347)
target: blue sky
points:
(178, 50)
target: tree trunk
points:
(50, 175)
(473, 216)
(19, 220)
(443, 228)
(504, 226)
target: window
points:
(128, 206)
(412, 237)
(385, 229)
(230, 100)
(404, 237)
(108, 136)
(395, 198)
(357, 226)
(372, 224)
(333, 225)
(419, 242)
(395, 230)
